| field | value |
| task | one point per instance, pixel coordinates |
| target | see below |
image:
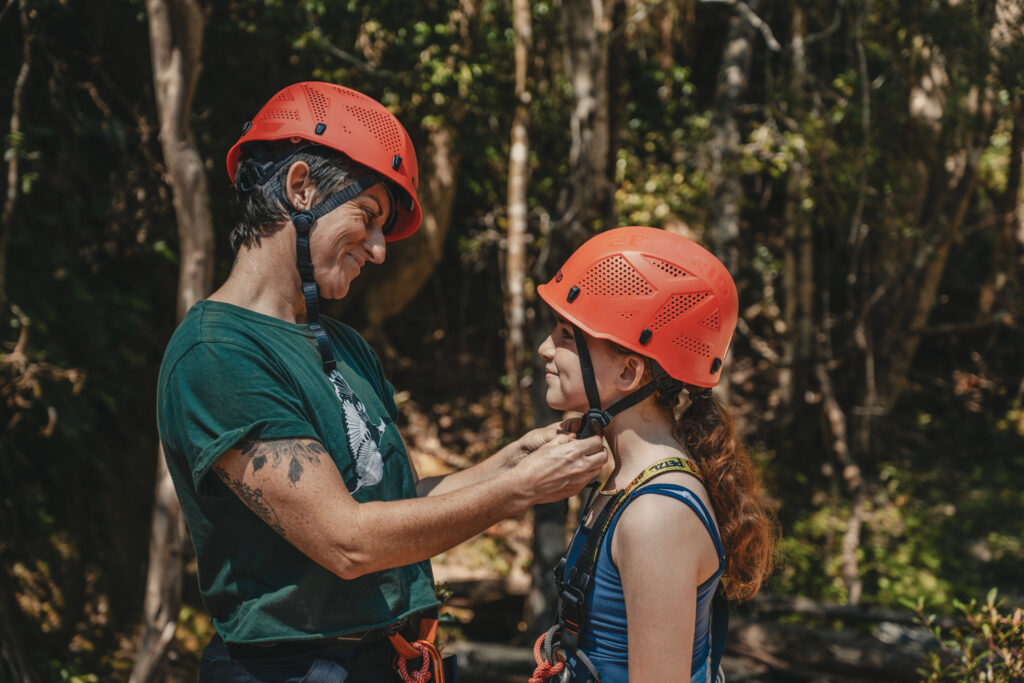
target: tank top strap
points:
(684, 495)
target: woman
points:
(645, 317)
(311, 528)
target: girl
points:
(646, 316)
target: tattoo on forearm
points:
(297, 454)
(252, 498)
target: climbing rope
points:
(429, 654)
(542, 654)
(431, 670)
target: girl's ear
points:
(631, 374)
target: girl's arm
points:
(663, 553)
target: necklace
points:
(609, 492)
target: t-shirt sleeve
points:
(219, 393)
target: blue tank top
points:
(603, 638)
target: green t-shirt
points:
(230, 373)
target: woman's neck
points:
(264, 279)
(638, 437)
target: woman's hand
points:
(561, 467)
(535, 439)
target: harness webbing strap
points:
(572, 589)
(588, 555)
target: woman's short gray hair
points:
(258, 211)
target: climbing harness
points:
(564, 637)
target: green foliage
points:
(92, 259)
(987, 645)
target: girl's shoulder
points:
(670, 499)
(668, 517)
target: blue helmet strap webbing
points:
(597, 418)
(303, 221)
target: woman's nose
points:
(376, 246)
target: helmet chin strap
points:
(597, 418)
(303, 220)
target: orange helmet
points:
(349, 122)
(652, 292)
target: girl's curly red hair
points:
(745, 523)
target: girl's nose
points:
(546, 349)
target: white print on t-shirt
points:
(363, 436)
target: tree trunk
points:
(725, 186)
(1004, 246)
(176, 41)
(590, 202)
(587, 204)
(515, 253)
(13, 178)
(385, 292)
(953, 180)
(798, 278)
(851, 474)
(947, 221)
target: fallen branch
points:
(770, 605)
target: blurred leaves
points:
(92, 259)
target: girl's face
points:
(564, 377)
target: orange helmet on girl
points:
(653, 292)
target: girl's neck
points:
(639, 437)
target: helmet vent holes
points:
(675, 307)
(318, 102)
(281, 115)
(668, 268)
(381, 125)
(693, 345)
(348, 92)
(629, 315)
(712, 321)
(615, 277)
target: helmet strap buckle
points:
(303, 220)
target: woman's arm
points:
(294, 486)
(663, 553)
(504, 459)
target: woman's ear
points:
(631, 374)
(299, 186)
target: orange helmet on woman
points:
(313, 113)
(347, 121)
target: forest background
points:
(856, 163)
